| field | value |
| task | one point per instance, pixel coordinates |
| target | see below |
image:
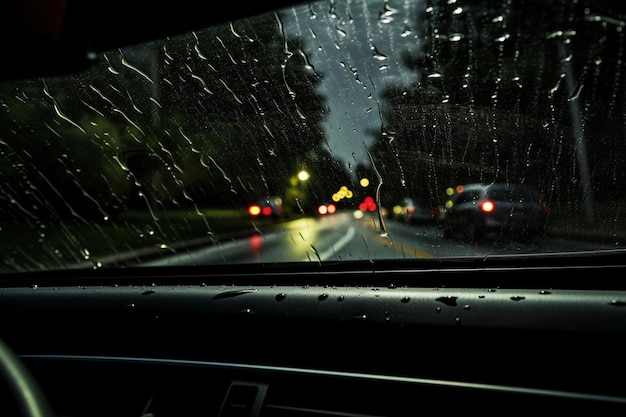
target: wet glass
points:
(153, 155)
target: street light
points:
(297, 189)
(303, 175)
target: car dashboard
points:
(140, 345)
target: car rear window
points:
(513, 193)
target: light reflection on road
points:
(344, 237)
(336, 237)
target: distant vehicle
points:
(270, 207)
(409, 210)
(324, 209)
(498, 210)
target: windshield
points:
(298, 136)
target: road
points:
(345, 237)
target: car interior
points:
(493, 334)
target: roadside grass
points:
(45, 246)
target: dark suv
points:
(498, 210)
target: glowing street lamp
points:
(303, 175)
(302, 178)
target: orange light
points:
(331, 208)
(322, 209)
(254, 210)
(487, 206)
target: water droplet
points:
(341, 298)
(503, 38)
(322, 297)
(378, 55)
(618, 303)
(448, 300)
(518, 298)
(438, 310)
(281, 296)
(148, 292)
(576, 93)
(392, 286)
(544, 292)
(405, 299)
(34, 286)
(235, 293)
(360, 317)
(467, 307)
(247, 311)
(130, 306)
(457, 321)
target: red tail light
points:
(326, 209)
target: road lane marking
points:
(337, 246)
(387, 241)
